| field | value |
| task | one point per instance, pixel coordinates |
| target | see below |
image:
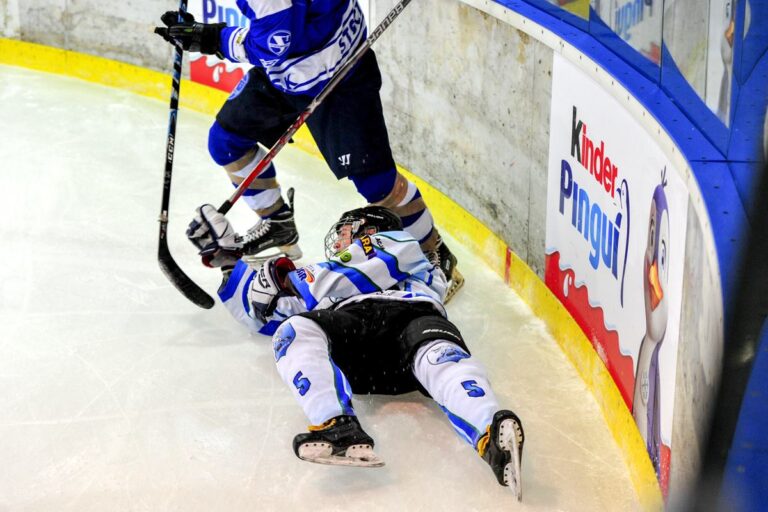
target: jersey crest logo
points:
(279, 41)
(283, 339)
(444, 354)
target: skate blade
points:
(358, 455)
(457, 281)
(512, 472)
(289, 251)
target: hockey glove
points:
(268, 285)
(213, 235)
(192, 36)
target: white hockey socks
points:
(304, 363)
(263, 194)
(459, 384)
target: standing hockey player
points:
(370, 319)
(296, 46)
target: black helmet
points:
(362, 221)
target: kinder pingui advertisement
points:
(615, 246)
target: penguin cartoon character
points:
(646, 404)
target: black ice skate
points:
(339, 441)
(279, 231)
(502, 448)
(442, 257)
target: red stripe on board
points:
(507, 265)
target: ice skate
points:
(277, 232)
(339, 441)
(502, 448)
(442, 257)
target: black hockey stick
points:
(183, 283)
(338, 77)
(168, 265)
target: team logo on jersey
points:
(283, 339)
(279, 41)
(444, 353)
(268, 63)
(345, 257)
(239, 87)
(305, 275)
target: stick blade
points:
(180, 280)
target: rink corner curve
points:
(450, 216)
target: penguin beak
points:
(656, 292)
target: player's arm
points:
(255, 297)
(274, 27)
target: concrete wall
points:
(119, 30)
(467, 91)
(456, 120)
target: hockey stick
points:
(338, 77)
(180, 280)
(168, 265)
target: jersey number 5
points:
(473, 389)
(302, 383)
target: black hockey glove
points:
(193, 36)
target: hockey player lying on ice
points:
(374, 310)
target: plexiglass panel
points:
(720, 57)
(637, 22)
(578, 7)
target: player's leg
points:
(322, 390)
(255, 114)
(351, 133)
(459, 384)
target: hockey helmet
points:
(357, 223)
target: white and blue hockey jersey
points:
(299, 43)
(384, 266)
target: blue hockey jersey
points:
(384, 266)
(299, 43)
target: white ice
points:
(118, 394)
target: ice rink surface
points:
(118, 394)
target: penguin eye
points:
(663, 254)
(652, 233)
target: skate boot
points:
(442, 257)
(278, 231)
(502, 448)
(339, 441)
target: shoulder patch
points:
(305, 274)
(367, 245)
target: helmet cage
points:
(360, 222)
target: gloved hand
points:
(268, 285)
(214, 236)
(193, 36)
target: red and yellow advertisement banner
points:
(208, 69)
(615, 246)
